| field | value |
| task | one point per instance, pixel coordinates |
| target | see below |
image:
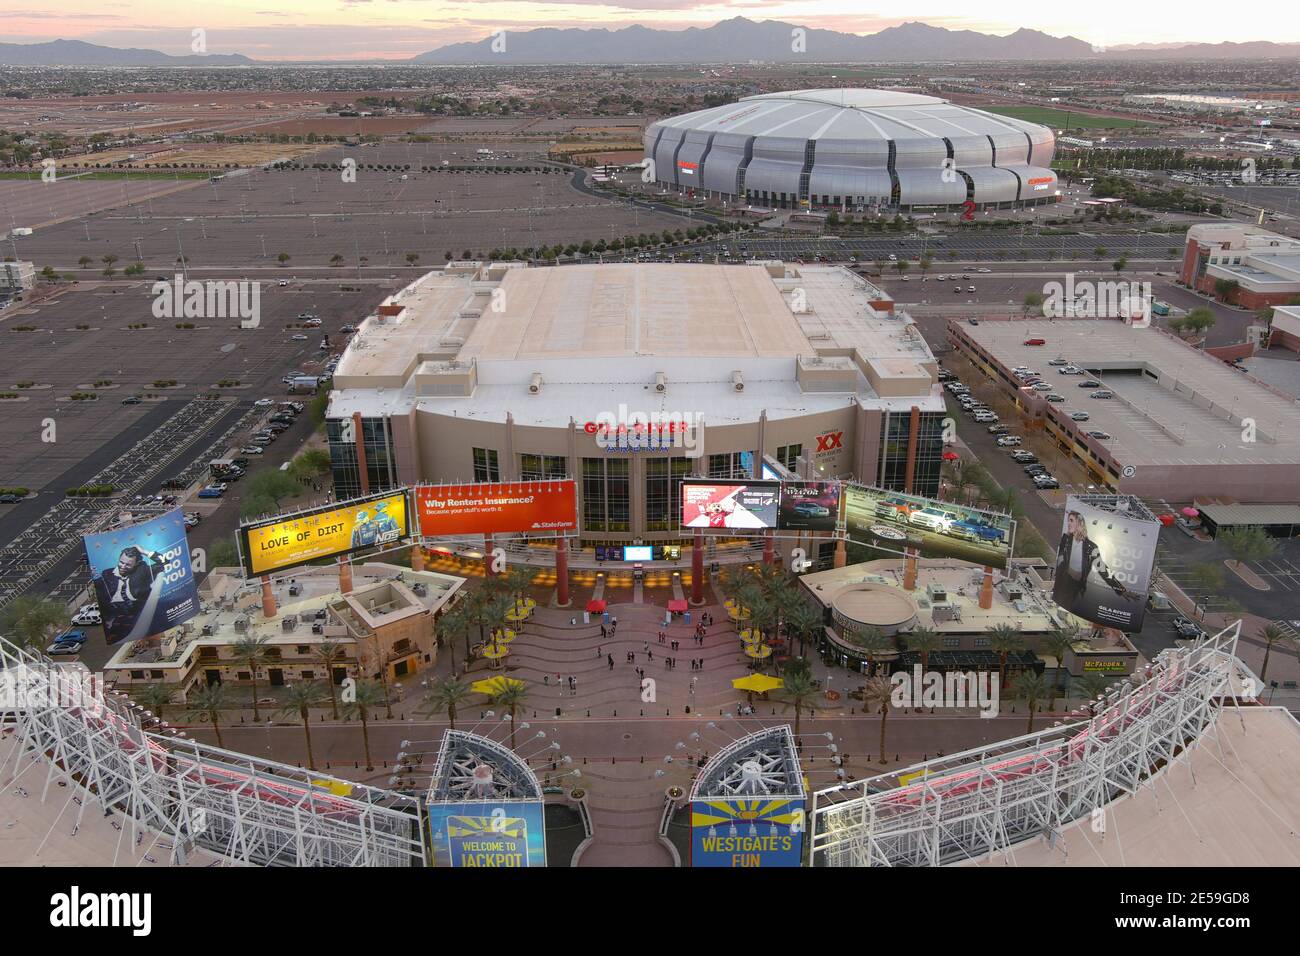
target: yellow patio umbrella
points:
(494, 652)
(494, 685)
(738, 614)
(729, 604)
(757, 683)
(750, 636)
(503, 637)
(758, 652)
(518, 613)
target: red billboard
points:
(497, 508)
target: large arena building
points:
(853, 149)
(502, 372)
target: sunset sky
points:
(397, 29)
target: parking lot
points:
(247, 220)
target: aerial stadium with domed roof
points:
(854, 150)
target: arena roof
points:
(837, 114)
(617, 325)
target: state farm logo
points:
(893, 534)
(831, 441)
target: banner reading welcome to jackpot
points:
(282, 543)
(497, 508)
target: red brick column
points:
(345, 576)
(697, 570)
(268, 597)
(986, 589)
(562, 572)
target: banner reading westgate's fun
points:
(143, 580)
(497, 508)
(283, 543)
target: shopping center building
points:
(503, 372)
(1264, 265)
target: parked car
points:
(1042, 387)
(1035, 342)
(262, 439)
(264, 402)
(1053, 397)
(1103, 393)
(1056, 362)
(251, 450)
(1023, 456)
(192, 519)
(1079, 416)
(212, 491)
(282, 283)
(1010, 441)
(10, 499)
(1090, 383)
(348, 328)
(1100, 435)
(1046, 481)
(132, 400)
(985, 418)
(63, 650)
(299, 337)
(87, 614)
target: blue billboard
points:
(747, 833)
(478, 834)
(142, 577)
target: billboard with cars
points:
(894, 521)
(809, 506)
(142, 577)
(280, 543)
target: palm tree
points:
(516, 582)
(801, 692)
(1090, 687)
(878, 692)
(453, 622)
(299, 699)
(872, 642)
(1005, 639)
(1032, 688)
(511, 696)
(250, 651)
(923, 640)
(328, 653)
(1271, 634)
(1059, 641)
(30, 622)
(368, 695)
(207, 704)
(803, 620)
(446, 695)
(153, 698)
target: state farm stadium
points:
(853, 149)
(504, 372)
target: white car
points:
(933, 518)
(251, 450)
(985, 418)
(87, 614)
(282, 283)
(299, 337)
(1010, 441)
(264, 402)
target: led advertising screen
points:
(1103, 564)
(479, 835)
(283, 543)
(493, 507)
(748, 833)
(142, 576)
(638, 552)
(809, 506)
(893, 521)
(745, 507)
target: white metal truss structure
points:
(762, 764)
(245, 809)
(987, 800)
(475, 768)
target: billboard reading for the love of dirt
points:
(497, 508)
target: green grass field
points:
(1058, 119)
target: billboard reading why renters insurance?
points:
(143, 580)
(496, 508)
(1103, 564)
(283, 543)
(750, 506)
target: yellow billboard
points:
(284, 543)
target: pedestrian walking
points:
(645, 646)
(604, 632)
(546, 679)
(611, 661)
(649, 653)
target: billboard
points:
(478, 834)
(809, 506)
(940, 529)
(283, 543)
(1103, 564)
(748, 833)
(492, 508)
(746, 507)
(142, 577)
